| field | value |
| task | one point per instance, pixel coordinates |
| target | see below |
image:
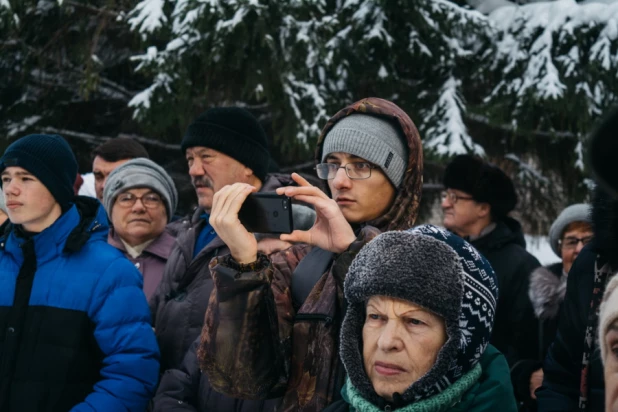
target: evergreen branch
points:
(93, 10)
(94, 139)
(509, 128)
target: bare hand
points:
(224, 219)
(272, 244)
(536, 380)
(331, 231)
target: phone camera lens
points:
(285, 204)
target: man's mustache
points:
(201, 181)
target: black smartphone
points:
(267, 213)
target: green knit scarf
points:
(441, 402)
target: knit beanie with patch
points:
(608, 314)
(437, 270)
(579, 212)
(483, 181)
(374, 139)
(50, 159)
(2, 202)
(140, 173)
(232, 131)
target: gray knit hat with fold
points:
(140, 173)
(2, 201)
(439, 271)
(374, 139)
(579, 212)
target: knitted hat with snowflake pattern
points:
(437, 270)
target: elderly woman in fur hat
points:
(421, 306)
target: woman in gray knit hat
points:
(140, 199)
(568, 235)
(420, 312)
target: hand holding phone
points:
(224, 219)
(331, 231)
(266, 212)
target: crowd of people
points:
(115, 303)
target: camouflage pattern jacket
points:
(255, 344)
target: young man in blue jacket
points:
(75, 328)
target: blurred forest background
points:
(520, 83)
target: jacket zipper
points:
(314, 317)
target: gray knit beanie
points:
(372, 138)
(579, 212)
(2, 201)
(140, 173)
(437, 270)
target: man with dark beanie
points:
(476, 203)
(74, 325)
(224, 145)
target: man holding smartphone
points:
(222, 146)
(259, 339)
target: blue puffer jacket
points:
(75, 328)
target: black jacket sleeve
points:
(178, 390)
(562, 366)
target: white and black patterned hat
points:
(437, 270)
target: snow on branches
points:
(307, 59)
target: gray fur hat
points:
(437, 270)
(140, 173)
(579, 212)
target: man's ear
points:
(248, 172)
(483, 210)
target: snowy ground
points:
(539, 247)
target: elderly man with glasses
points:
(478, 198)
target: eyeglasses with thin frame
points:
(453, 197)
(571, 242)
(354, 170)
(149, 200)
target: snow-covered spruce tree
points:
(299, 61)
(552, 73)
(65, 68)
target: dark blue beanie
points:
(50, 159)
(232, 131)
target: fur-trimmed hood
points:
(547, 290)
(605, 226)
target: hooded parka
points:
(256, 343)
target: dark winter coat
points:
(563, 365)
(547, 290)
(489, 394)
(515, 331)
(75, 330)
(179, 304)
(188, 389)
(256, 343)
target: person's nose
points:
(341, 179)
(138, 206)
(196, 169)
(446, 202)
(10, 188)
(578, 247)
(390, 339)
